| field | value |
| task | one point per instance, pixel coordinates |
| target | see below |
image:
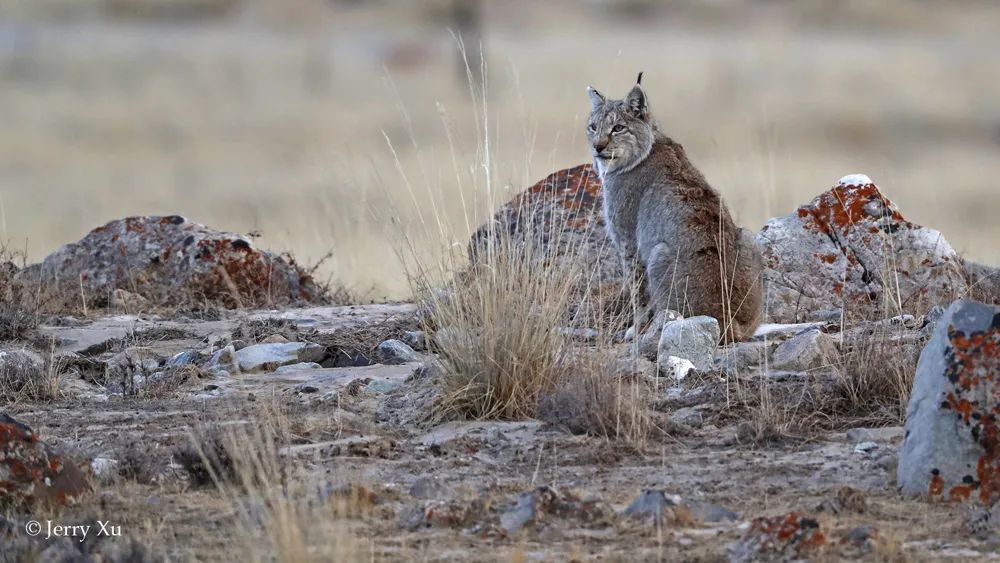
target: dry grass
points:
(594, 399)
(875, 377)
(281, 512)
(499, 336)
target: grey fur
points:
(673, 233)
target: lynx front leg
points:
(634, 278)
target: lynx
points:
(677, 242)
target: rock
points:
(20, 370)
(951, 447)
(836, 252)
(805, 351)
(711, 513)
(688, 416)
(856, 435)
(274, 339)
(653, 506)
(694, 339)
(673, 367)
(223, 360)
(416, 339)
(560, 218)
(428, 488)
(395, 352)
(779, 538)
(31, 472)
(269, 357)
(784, 331)
(634, 367)
(186, 358)
(295, 368)
(104, 469)
(741, 356)
(383, 385)
(865, 448)
(532, 507)
(650, 339)
(172, 261)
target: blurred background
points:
(350, 127)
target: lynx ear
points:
(596, 98)
(636, 102)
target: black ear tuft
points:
(639, 80)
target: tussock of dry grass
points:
(875, 377)
(499, 338)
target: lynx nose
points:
(601, 144)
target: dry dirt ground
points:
(423, 490)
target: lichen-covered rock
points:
(30, 472)
(172, 261)
(779, 538)
(851, 247)
(952, 444)
(560, 219)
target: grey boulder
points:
(951, 448)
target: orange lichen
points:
(973, 362)
(793, 530)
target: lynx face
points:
(620, 132)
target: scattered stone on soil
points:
(172, 261)
(952, 444)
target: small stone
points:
(395, 352)
(416, 339)
(805, 351)
(305, 388)
(269, 357)
(675, 368)
(384, 386)
(865, 448)
(275, 339)
(856, 435)
(711, 513)
(104, 469)
(694, 339)
(186, 358)
(223, 360)
(295, 368)
(653, 506)
(428, 488)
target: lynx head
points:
(620, 132)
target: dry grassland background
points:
(277, 117)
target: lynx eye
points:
(591, 128)
(618, 128)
